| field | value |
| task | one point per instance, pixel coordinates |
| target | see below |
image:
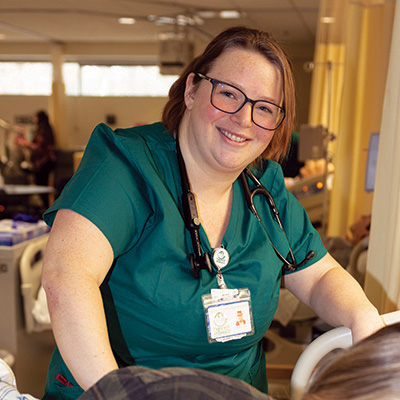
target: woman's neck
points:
(213, 192)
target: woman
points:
(42, 149)
(120, 225)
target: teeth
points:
(232, 137)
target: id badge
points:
(228, 314)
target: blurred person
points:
(42, 151)
(369, 370)
(359, 230)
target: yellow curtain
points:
(347, 95)
(328, 71)
(382, 284)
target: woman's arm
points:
(77, 259)
(335, 296)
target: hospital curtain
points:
(383, 268)
(347, 92)
(328, 68)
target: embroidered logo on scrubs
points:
(64, 380)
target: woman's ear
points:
(190, 91)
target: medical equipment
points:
(36, 314)
(200, 260)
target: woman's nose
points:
(244, 116)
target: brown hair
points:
(369, 370)
(243, 38)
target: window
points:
(35, 78)
(26, 78)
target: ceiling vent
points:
(174, 55)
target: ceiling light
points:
(197, 20)
(165, 21)
(183, 20)
(171, 36)
(328, 20)
(126, 21)
(229, 14)
(207, 14)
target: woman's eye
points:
(265, 109)
(231, 95)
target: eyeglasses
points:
(230, 99)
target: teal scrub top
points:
(128, 185)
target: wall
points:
(84, 113)
(300, 54)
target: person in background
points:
(42, 149)
(341, 247)
(369, 370)
(291, 165)
(155, 245)
(8, 385)
(359, 230)
(140, 383)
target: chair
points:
(30, 272)
(334, 339)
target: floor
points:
(31, 363)
(281, 356)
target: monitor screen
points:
(372, 159)
(312, 142)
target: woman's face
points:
(229, 142)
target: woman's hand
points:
(20, 140)
(364, 327)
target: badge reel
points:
(227, 312)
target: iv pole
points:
(329, 137)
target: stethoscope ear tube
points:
(262, 190)
(200, 262)
(248, 193)
(198, 259)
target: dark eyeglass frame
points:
(215, 82)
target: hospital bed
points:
(37, 319)
(338, 338)
(34, 299)
(335, 339)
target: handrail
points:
(336, 338)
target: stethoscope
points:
(198, 259)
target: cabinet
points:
(11, 312)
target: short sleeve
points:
(108, 190)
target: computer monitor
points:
(372, 159)
(312, 142)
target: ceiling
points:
(96, 21)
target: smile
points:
(232, 137)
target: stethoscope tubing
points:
(198, 260)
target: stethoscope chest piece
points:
(220, 257)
